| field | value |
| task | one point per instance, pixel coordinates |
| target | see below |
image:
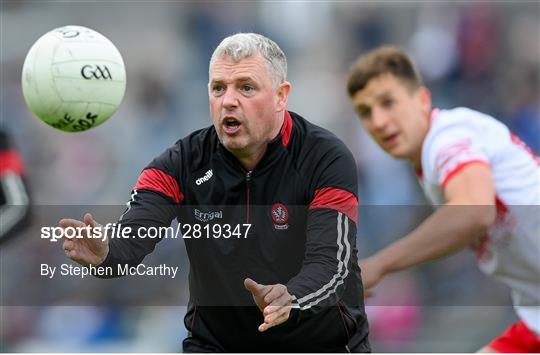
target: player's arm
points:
(147, 209)
(470, 210)
(330, 251)
(153, 204)
(14, 197)
(329, 259)
(330, 255)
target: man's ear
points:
(425, 100)
(283, 95)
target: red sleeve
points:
(10, 160)
(157, 180)
(336, 199)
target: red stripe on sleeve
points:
(336, 199)
(10, 160)
(460, 167)
(157, 180)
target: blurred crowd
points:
(484, 55)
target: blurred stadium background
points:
(484, 55)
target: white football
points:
(73, 78)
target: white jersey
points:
(511, 250)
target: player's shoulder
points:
(315, 141)
(321, 158)
(461, 117)
(459, 135)
(191, 150)
(461, 123)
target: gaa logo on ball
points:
(73, 78)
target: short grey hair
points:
(245, 45)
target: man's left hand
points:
(274, 301)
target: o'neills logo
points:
(280, 216)
(204, 178)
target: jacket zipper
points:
(248, 181)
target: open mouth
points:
(231, 125)
(391, 140)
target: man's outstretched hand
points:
(86, 251)
(274, 301)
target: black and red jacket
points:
(301, 203)
(14, 196)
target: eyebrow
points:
(382, 95)
(379, 97)
(361, 107)
(240, 79)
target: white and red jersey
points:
(511, 250)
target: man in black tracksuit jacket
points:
(300, 202)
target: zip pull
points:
(248, 176)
